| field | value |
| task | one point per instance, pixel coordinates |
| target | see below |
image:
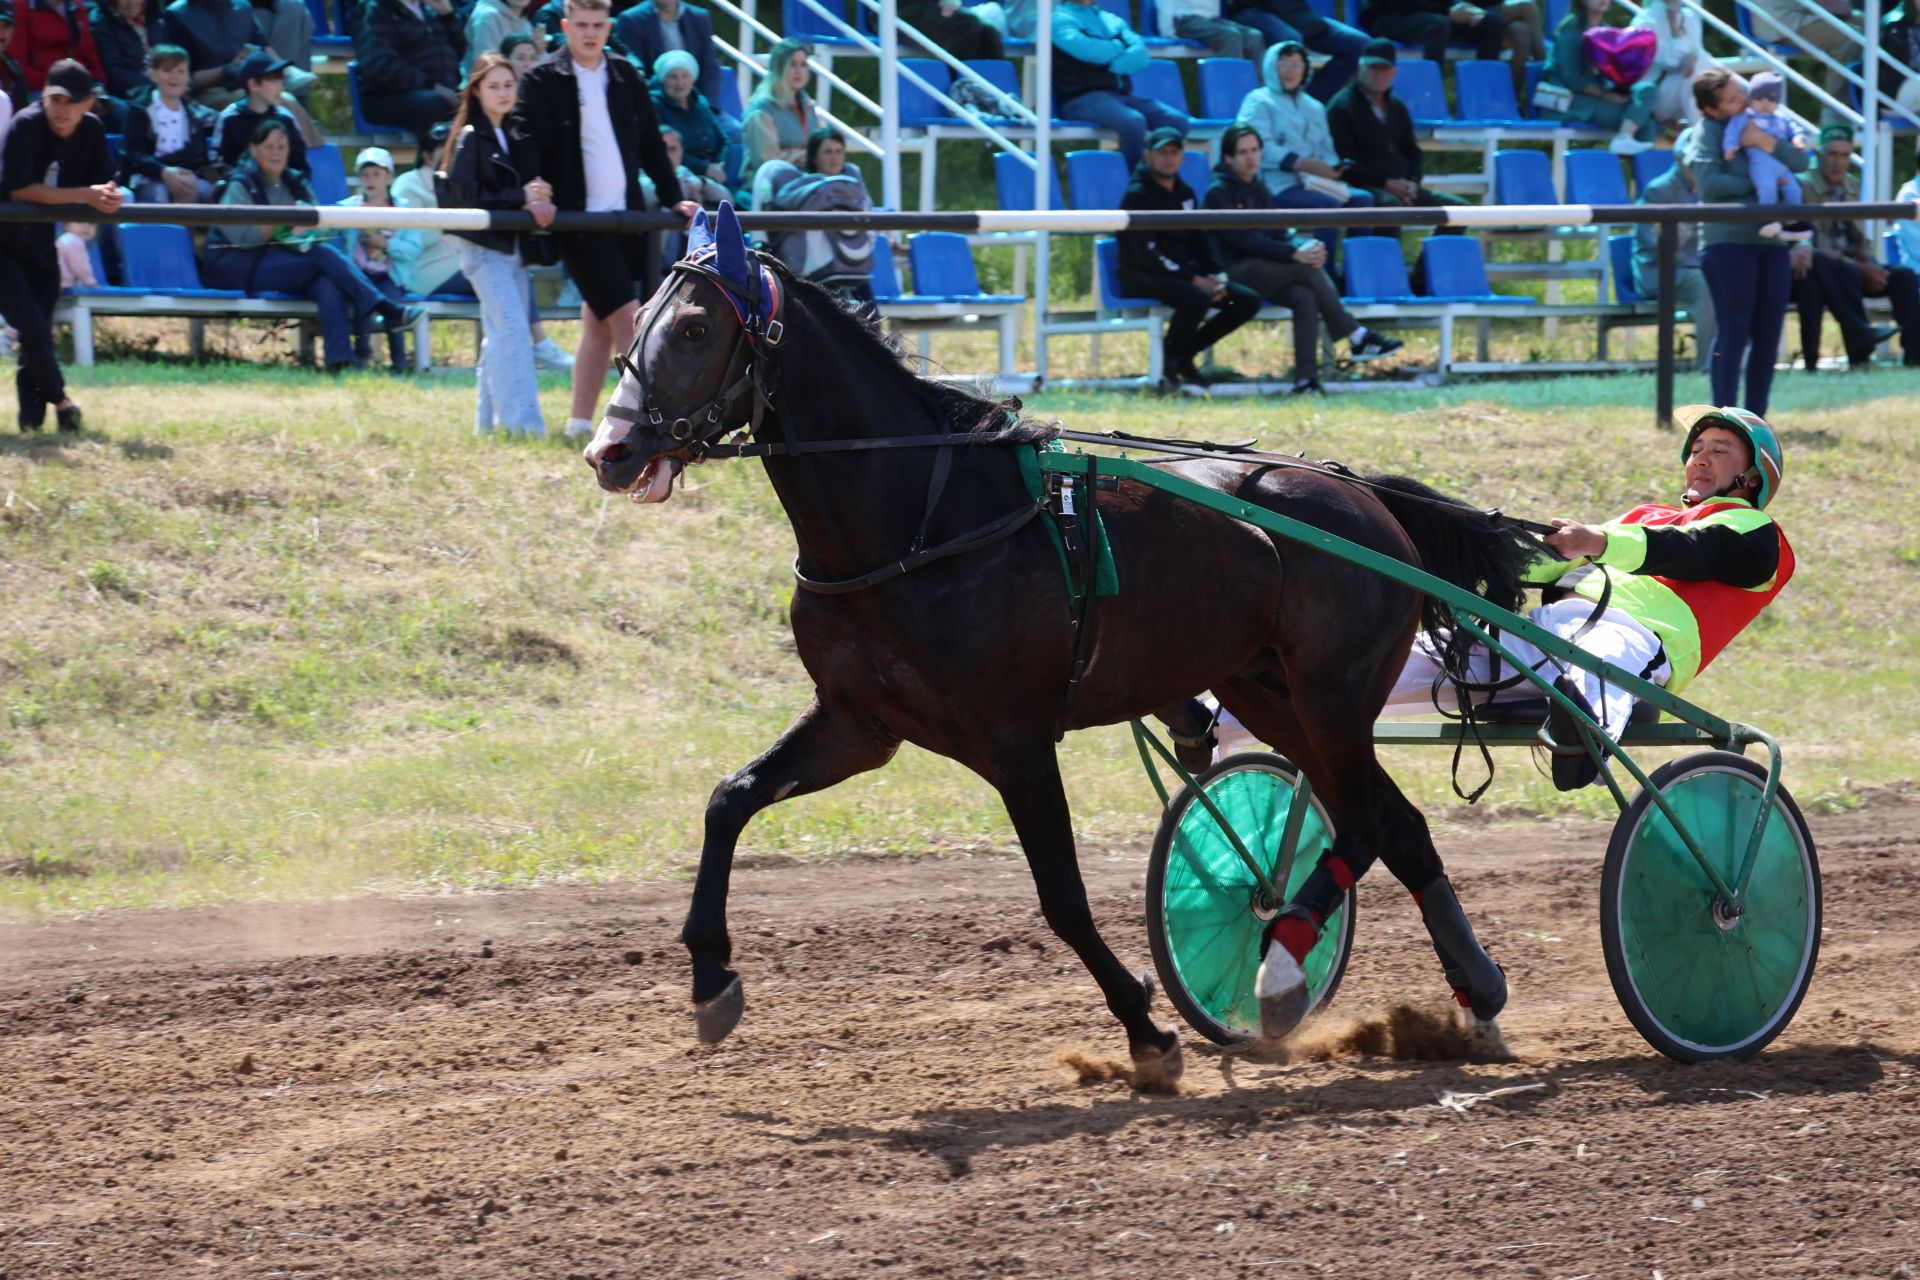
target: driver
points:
(1678, 583)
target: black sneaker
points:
(31, 428)
(1308, 387)
(1373, 346)
(1573, 765)
(393, 317)
(69, 418)
(1190, 374)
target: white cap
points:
(373, 155)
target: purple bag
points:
(1621, 55)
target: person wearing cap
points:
(1094, 53)
(367, 250)
(1298, 22)
(1676, 186)
(1201, 20)
(263, 76)
(49, 31)
(1281, 268)
(679, 106)
(1677, 581)
(1178, 267)
(1748, 274)
(168, 154)
(1373, 132)
(55, 154)
(1836, 270)
(1628, 112)
(219, 37)
(13, 77)
(1773, 182)
(1298, 162)
(1435, 24)
(409, 54)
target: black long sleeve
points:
(1713, 553)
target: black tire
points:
(1205, 1012)
(1697, 982)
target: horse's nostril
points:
(611, 454)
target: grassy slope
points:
(267, 634)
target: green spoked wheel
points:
(1205, 913)
(1701, 981)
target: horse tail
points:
(1472, 549)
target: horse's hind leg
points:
(821, 748)
(1029, 783)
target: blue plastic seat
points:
(1096, 179)
(1486, 96)
(943, 268)
(1149, 29)
(1523, 177)
(1014, 182)
(105, 288)
(1121, 10)
(158, 258)
(1197, 170)
(1160, 80)
(1418, 84)
(885, 281)
(729, 104)
(800, 22)
(1620, 258)
(1106, 267)
(1743, 19)
(1454, 269)
(1224, 85)
(1649, 165)
(1890, 252)
(361, 124)
(1376, 272)
(327, 174)
(329, 37)
(1595, 177)
(918, 108)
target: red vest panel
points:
(1720, 611)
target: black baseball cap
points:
(1165, 136)
(260, 65)
(6, 10)
(1379, 53)
(68, 79)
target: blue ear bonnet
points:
(719, 250)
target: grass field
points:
(265, 634)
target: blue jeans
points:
(1280, 20)
(1751, 285)
(396, 339)
(509, 388)
(1128, 115)
(1301, 198)
(322, 274)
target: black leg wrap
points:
(1321, 892)
(1467, 965)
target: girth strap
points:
(986, 535)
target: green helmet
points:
(1763, 447)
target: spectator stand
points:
(929, 115)
(947, 296)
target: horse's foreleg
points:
(1029, 784)
(819, 749)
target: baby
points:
(76, 267)
(1773, 182)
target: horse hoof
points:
(1487, 1041)
(714, 1019)
(1281, 988)
(1157, 1070)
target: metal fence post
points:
(1663, 395)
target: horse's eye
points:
(694, 332)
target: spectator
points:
(1837, 271)
(168, 154)
(123, 31)
(1775, 19)
(1676, 186)
(1298, 162)
(780, 115)
(1773, 182)
(1629, 112)
(1200, 20)
(842, 260)
(287, 28)
(219, 37)
(263, 76)
(703, 190)
(409, 53)
(1296, 21)
(1900, 61)
(1907, 229)
(59, 138)
(1678, 57)
(1178, 267)
(47, 31)
(491, 23)
(523, 54)
(1281, 268)
(588, 129)
(282, 260)
(1373, 133)
(367, 250)
(679, 106)
(1014, 19)
(1094, 53)
(959, 31)
(483, 173)
(1747, 273)
(654, 27)
(76, 265)
(1434, 24)
(13, 78)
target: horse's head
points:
(699, 366)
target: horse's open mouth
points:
(655, 481)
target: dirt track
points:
(506, 1085)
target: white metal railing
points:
(750, 23)
(1012, 106)
(847, 131)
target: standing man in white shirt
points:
(588, 127)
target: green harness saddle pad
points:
(1106, 577)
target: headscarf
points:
(675, 60)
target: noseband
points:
(757, 308)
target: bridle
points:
(757, 308)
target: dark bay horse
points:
(968, 655)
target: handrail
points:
(825, 73)
(1774, 60)
(1017, 108)
(846, 130)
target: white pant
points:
(1615, 638)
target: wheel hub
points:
(1725, 914)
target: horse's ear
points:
(730, 247)
(699, 234)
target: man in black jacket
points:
(408, 54)
(56, 154)
(1373, 131)
(1178, 267)
(587, 127)
(167, 155)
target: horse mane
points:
(857, 329)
